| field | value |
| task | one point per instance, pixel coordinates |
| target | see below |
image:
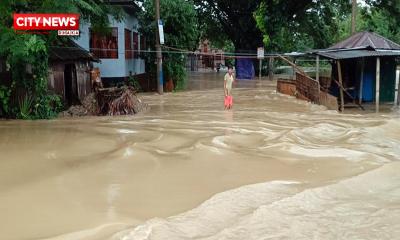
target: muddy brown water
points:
(273, 167)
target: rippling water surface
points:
(272, 168)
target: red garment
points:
(228, 102)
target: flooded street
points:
(272, 168)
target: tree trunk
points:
(353, 16)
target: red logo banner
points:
(46, 21)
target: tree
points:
(30, 51)
(374, 19)
(391, 6)
(278, 24)
(180, 30)
(210, 28)
(353, 16)
(382, 17)
(232, 19)
(300, 25)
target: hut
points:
(363, 70)
(69, 71)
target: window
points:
(104, 46)
(135, 45)
(142, 45)
(128, 44)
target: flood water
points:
(271, 168)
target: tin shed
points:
(69, 71)
(364, 69)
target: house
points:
(119, 50)
(205, 57)
(70, 72)
(363, 69)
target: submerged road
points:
(273, 167)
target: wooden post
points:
(270, 68)
(341, 87)
(353, 16)
(294, 69)
(378, 81)
(396, 94)
(160, 78)
(361, 82)
(317, 70)
(260, 69)
(293, 65)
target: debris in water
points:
(108, 101)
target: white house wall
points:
(115, 68)
(135, 66)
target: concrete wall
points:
(136, 66)
(115, 68)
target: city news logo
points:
(66, 24)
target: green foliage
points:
(133, 82)
(229, 48)
(390, 7)
(372, 18)
(209, 27)
(176, 71)
(5, 94)
(28, 58)
(279, 25)
(233, 20)
(180, 19)
(301, 25)
(47, 106)
(305, 24)
(25, 108)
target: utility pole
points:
(353, 16)
(160, 80)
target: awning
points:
(348, 54)
(70, 51)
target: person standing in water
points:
(229, 79)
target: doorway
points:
(70, 85)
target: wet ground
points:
(273, 167)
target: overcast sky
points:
(362, 2)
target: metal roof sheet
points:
(69, 50)
(366, 40)
(348, 54)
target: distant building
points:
(205, 57)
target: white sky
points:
(362, 2)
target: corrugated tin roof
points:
(69, 50)
(348, 54)
(362, 44)
(366, 40)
